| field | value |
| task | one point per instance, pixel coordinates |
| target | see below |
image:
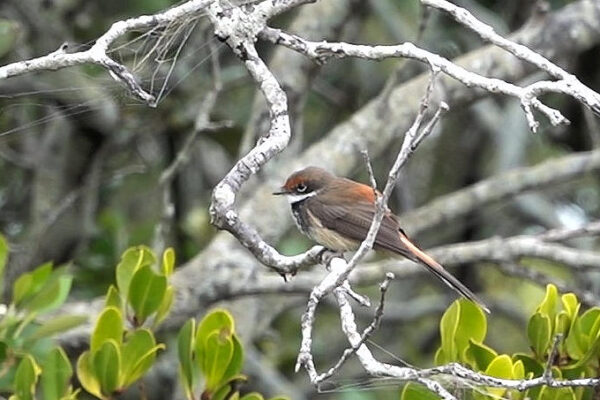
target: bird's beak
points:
(281, 191)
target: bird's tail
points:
(421, 257)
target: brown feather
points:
(342, 209)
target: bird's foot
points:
(328, 255)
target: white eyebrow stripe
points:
(294, 198)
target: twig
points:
(340, 269)
(322, 51)
(551, 357)
(366, 333)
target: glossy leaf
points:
(146, 292)
(106, 363)
(219, 321)
(556, 394)
(113, 298)
(26, 378)
(165, 306)
(56, 325)
(86, 375)
(462, 322)
(56, 374)
(132, 259)
(237, 360)
(500, 367)
(414, 391)
(448, 327)
(570, 304)
(29, 283)
(253, 396)
(168, 264)
(52, 295)
(138, 355)
(185, 351)
(217, 356)
(539, 332)
(548, 305)
(223, 393)
(108, 326)
(479, 355)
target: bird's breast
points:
(328, 237)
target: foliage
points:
(556, 319)
(27, 354)
(122, 347)
(122, 344)
(213, 351)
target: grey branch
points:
(97, 54)
(322, 51)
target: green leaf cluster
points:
(26, 352)
(211, 350)
(122, 348)
(463, 329)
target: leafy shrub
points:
(463, 328)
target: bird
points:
(337, 213)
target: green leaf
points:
(29, 283)
(3, 243)
(52, 295)
(217, 356)
(109, 326)
(584, 335)
(26, 378)
(570, 304)
(548, 393)
(8, 37)
(479, 355)
(146, 292)
(548, 305)
(58, 324)
(138, 354)
(462, 322)
(222, 393)
(56, 374)
(106, 362)
(253, 396)
(530, 364)
(414, 391)
(217, 321)
(86, 375)
(113, 298)
(440, 357)
(539, 332)
(168, 264)
(165, 306)
(518, 371)
(237, 360)
(185, 351)
(500, 367)
(562, 323)
(131, 260)
(448, 327)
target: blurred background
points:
(81, 161)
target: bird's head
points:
(305, 183)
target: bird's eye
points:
(301, 188)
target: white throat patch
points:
(294, 198)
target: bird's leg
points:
(327, 255)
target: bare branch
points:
(567, 84)
(97, 54)
(322, 51)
